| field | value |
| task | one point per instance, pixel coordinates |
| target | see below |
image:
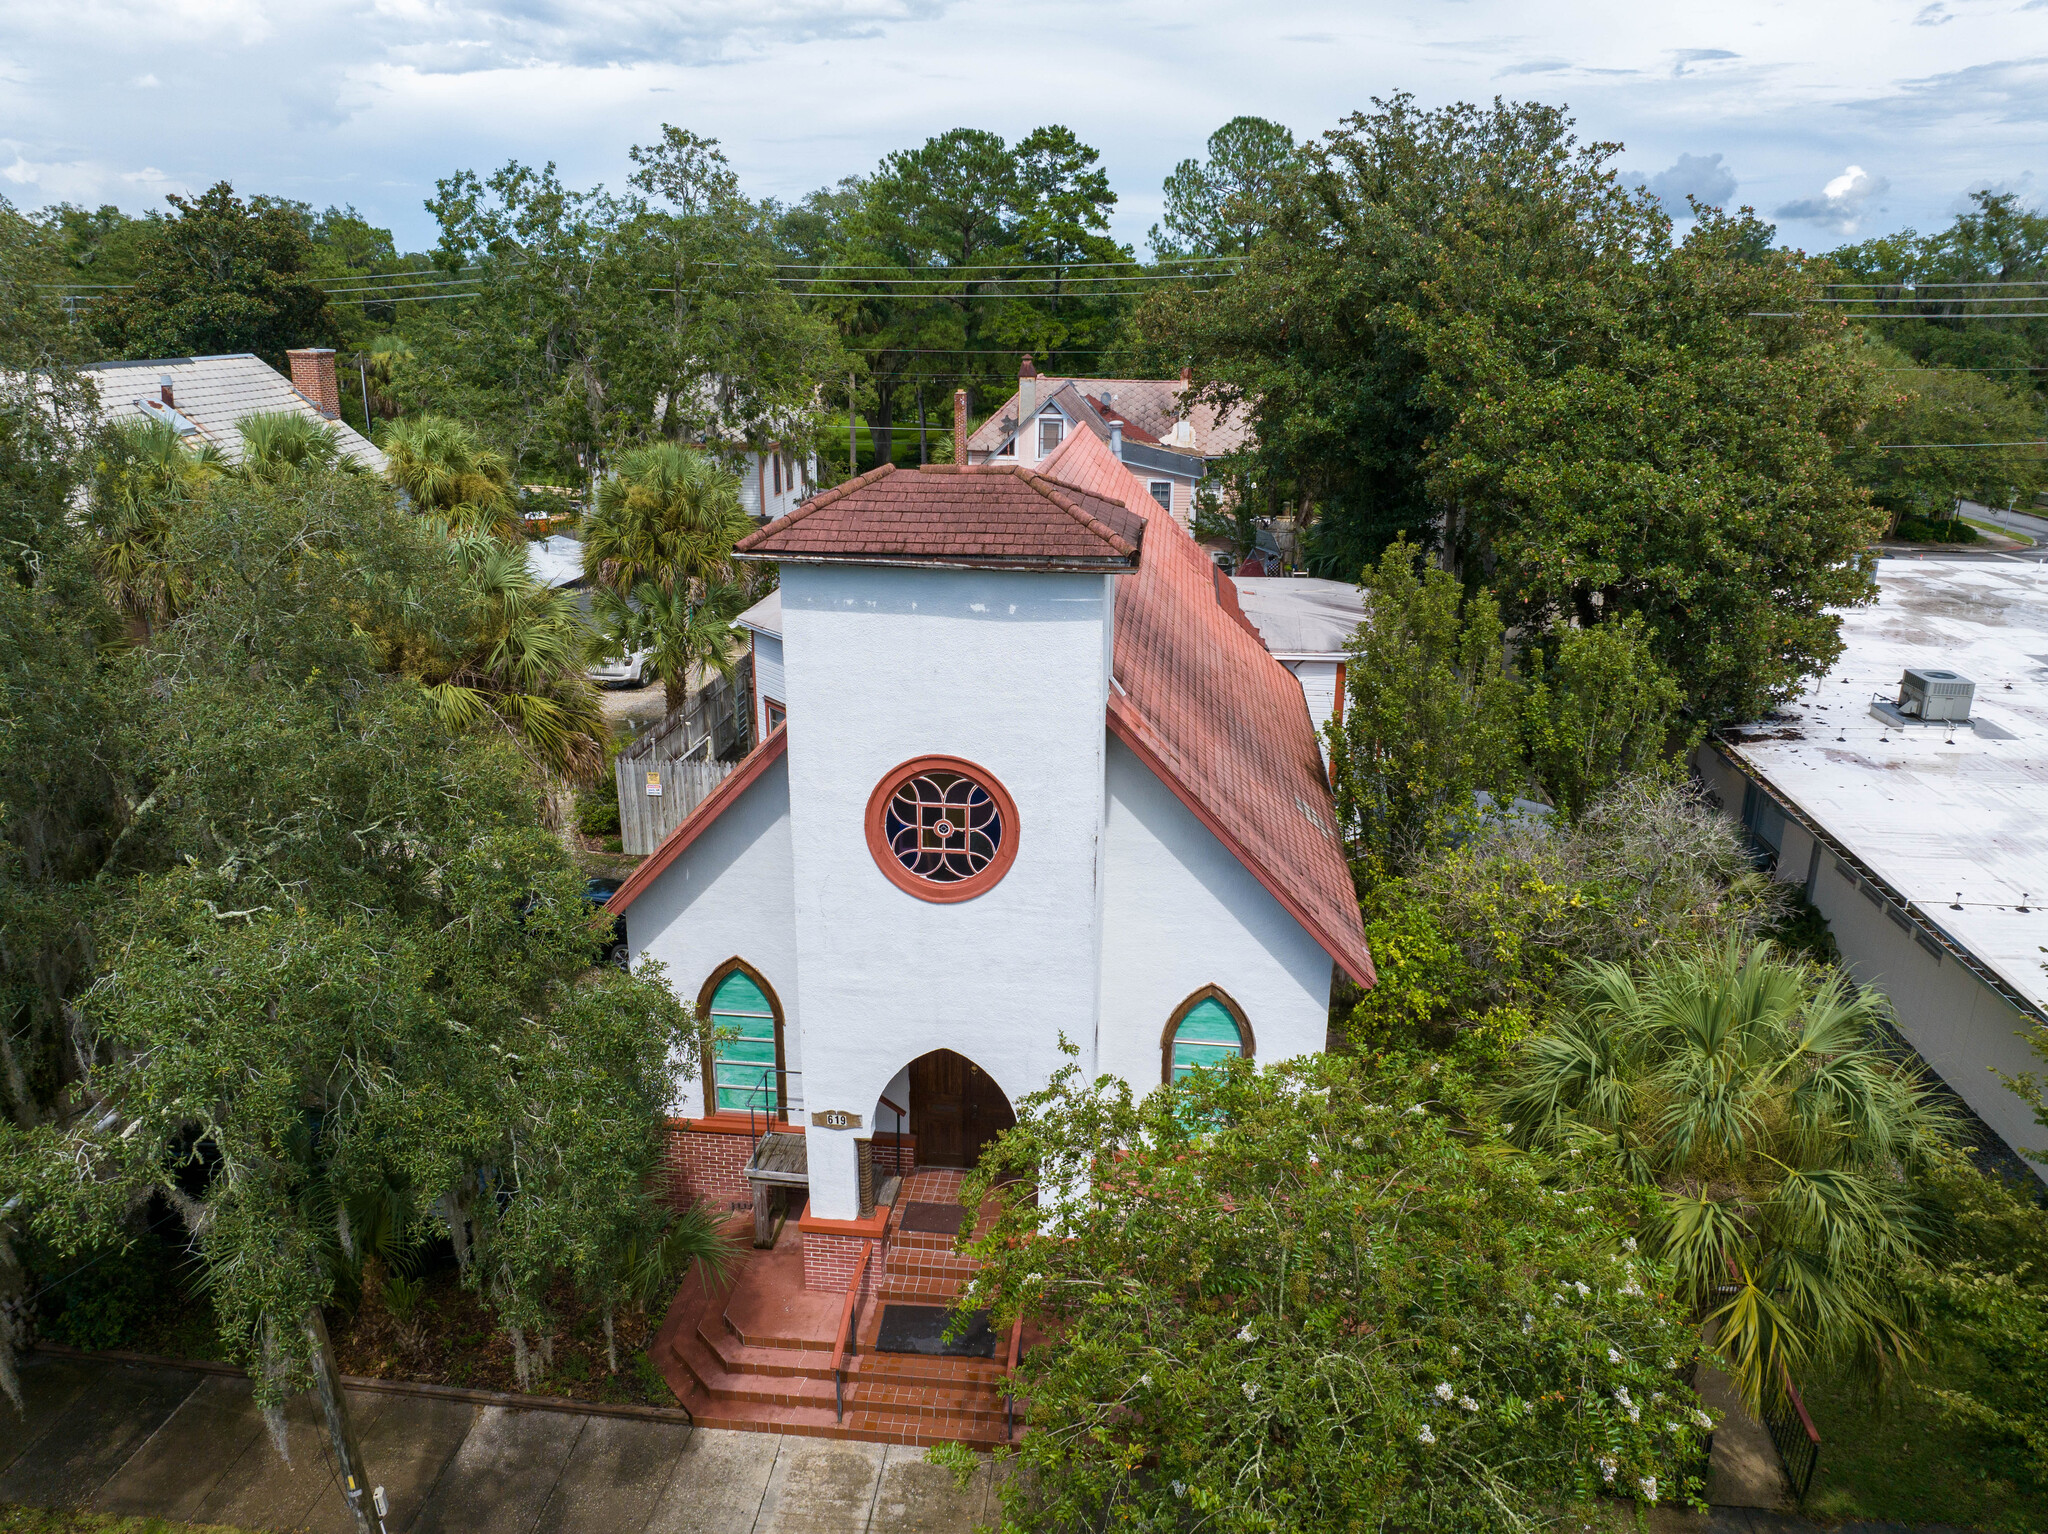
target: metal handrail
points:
(842, 1343)
(1794, 1436)
(762, 1119)
(901, 1115)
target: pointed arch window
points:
(744, 1070)
(1206, 1029)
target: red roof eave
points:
(1128, 727)
(677, 842)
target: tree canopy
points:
(220, 275)
(1459, 326)
(1319, 1295)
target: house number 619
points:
(835, 1118)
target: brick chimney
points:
(163, 392)
(1027, 406)
(313, 376)
(960, 428)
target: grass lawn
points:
(49, 1520)
(1905, 1462)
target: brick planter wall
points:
(701, 1165)
(829, 1262)
(885, 1154)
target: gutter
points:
(1889, 894)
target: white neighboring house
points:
(1138, 419)
(1305, 623)
(1924, 845)
(762, 624)
(775, 483)
(1035, 780)
(203, 397)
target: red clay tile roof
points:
(1218, 720)
(1195, 697)
(947, 514)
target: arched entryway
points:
(956, 1108)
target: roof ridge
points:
(1048, 488)
(815, 503)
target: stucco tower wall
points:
(1181, 913)
(1008, 671)
(727, 896)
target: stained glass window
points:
(943, 826)
(743, 1066)
(1208, 1034)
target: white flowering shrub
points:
(1275, 1303)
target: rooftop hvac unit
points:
(1936, 695)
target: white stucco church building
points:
(1032, 775)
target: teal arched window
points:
(745, 1068)
(1205, 1029)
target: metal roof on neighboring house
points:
(1301, 617)
(1946, 817)
(212, 393)
(764, 617)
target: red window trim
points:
(926, 889)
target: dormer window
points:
(1050, 429)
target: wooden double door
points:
(955, 1109)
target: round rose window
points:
(942, 828)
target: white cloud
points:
(1693, 175)
(1842, 202)
(369, 101)
(147, 82)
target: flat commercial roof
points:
(1946, 817)
(1301, 617)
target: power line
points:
(1914, 298)
(1886, 447)
(1990, 282)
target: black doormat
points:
(934, 1219)
(922, 1329)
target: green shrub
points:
(1321, 1296)
(1912, 529)
(597, 810)
(101, 1299)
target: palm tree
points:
(448, 472)
(684, 630)
(143, 481)
(521, 669)
(1757, 1100)
(669, 516)
(283, 444)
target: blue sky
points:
(1840, 120)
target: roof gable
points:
(986, 516)
(212, 393)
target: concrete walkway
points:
(172, 1443)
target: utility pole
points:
(341, 1428)
(852, 441)
(363, 377)
(922, 459)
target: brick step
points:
(877, 1423)
(780, 1344)
(745, 1358)
(710, 1376)
(925, 1404)
(919, 1289)
(902, 1240)
(918, 1368)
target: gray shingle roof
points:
(213, 393)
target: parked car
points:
(599, 891)
(622, 670)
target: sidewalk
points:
(173, 1443)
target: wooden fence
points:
(669, 769)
